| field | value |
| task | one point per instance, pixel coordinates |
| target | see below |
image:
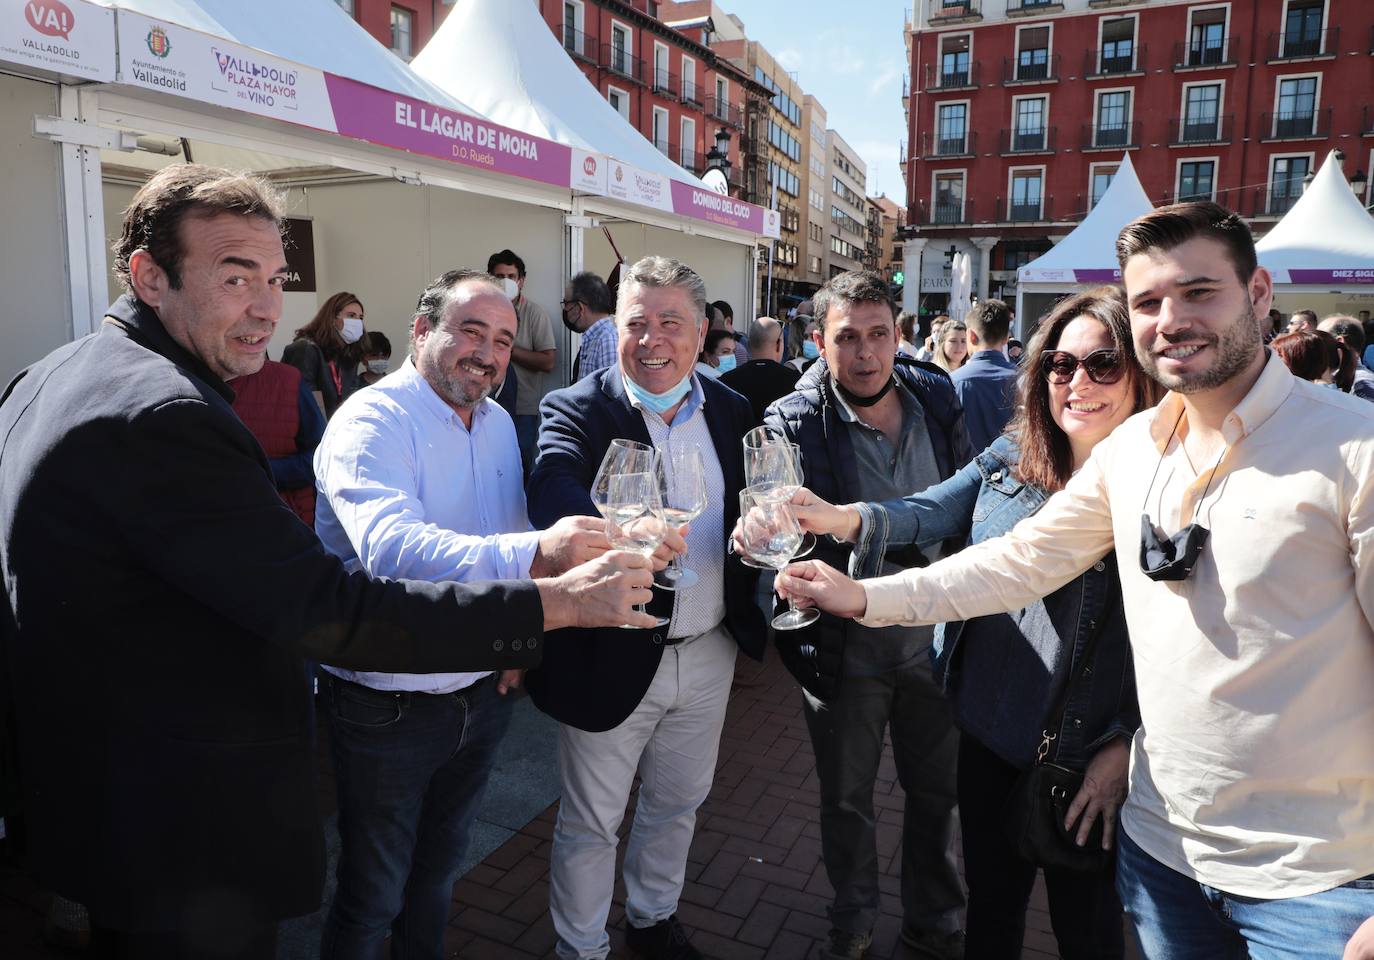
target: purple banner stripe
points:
(1365, 275)
(1097, 276)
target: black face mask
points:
(859, 401)
(1171, 558)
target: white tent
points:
(1087, 255)
(1321, 254)
(500, 57)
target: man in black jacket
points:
(871, 427)
(161, 600)
(763, 379)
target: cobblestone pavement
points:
(756, 889)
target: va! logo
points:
(589, 166)
(52, 18)
(158, 43)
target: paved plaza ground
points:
(756, 889)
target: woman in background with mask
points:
(326, 350)
(376, 350)
(717, 355)
(809, 350)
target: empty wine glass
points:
(682, 477)
(771, 536)
(634, 516)
(622, 457)
(775, 469)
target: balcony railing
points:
(1200, 53)
(1025, 211)
(1296, 44)
(1280, 201)
(1120, 135)
(581, 46)
(953, 11)
(665, 83)
(934, 146)
(1296, 125)
(945, 213)
(724, 111)
(1017, 71)
(1033, 7)
(1199, 130)
(940, 79)
(691, 92)
(1027, 141)
(1097, 64)
(687, 158)
(622, 63)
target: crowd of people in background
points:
(429, 532)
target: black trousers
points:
(1084, 909)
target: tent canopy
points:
(500, 57)
(1088, 254)
(314, 33)
(1327, 237)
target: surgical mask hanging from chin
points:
(352, 330)
(659, 403)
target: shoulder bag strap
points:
(1054, 719)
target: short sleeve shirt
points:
(533, 331)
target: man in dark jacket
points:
(871, 427)
(161, 599)
(986, 385)
(763, 379)
(652, 702)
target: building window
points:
(1029, 129)
(949, 198)
(689, 81)
(1286, 182)
(813, 231)
(953, 127)
(1033, 55)
(1195, 180)
(570, 28)
(1118, 45)
(1100, 180)
(1019, 253)
(1297, 108)
(954, 60)
(620, 49)
(1201, 113)
(1113, 119)
(346, 6)
(785, 180)
(813, 264)
(660, 131)
(689, 144)
(1025, 195)
(816, 200)
(402, 29)
(620, 100)
(1207, 37)
(1302, 28)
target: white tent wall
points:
(727, 268)
(1323, 301)
(33, 266)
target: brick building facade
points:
(1018, 112)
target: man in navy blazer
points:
(650, 702)
(986, 385)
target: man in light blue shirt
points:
(588, 309)
(420, 478)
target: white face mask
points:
(352, 330)
(512, 288)
(377, 366)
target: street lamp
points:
(718, 157)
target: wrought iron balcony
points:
(724, 111)
(1022, 71)
(1097, 64)
(1118, 135)
(954, 11)
(1039, 140)
(691, 92)
(1203, 53)
(666, 83)
(1200, 130)
(622, 63)
(1295, 125)
(581, 46)
(934, 146)
(938, 78)
(1304, 44)
(1031, 8)
(1026, 211)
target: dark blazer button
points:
(498, 645)
(517, 645)
(658, 638)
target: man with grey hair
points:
(652, 701)
(420, 477)
(1350, 332)
(588, 309)
(763, 379)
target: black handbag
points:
(1039, 802)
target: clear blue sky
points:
(849, 55)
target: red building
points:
(1018, 113)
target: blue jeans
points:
(411, 770)
(1177, 918)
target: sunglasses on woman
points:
(1102, 366)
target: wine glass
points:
(775, 467)
(682, 479)
(771, 536)
(622, 457)
(634, 517)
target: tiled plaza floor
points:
(756, 888)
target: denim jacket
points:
(1004, 682)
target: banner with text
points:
(75, 39)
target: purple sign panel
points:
(1097, 276)
(394, 120)
(699, 204)
(1332, 276)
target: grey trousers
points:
(847, 737)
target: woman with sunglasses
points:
(1005, 674)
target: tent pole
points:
(83, 218)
